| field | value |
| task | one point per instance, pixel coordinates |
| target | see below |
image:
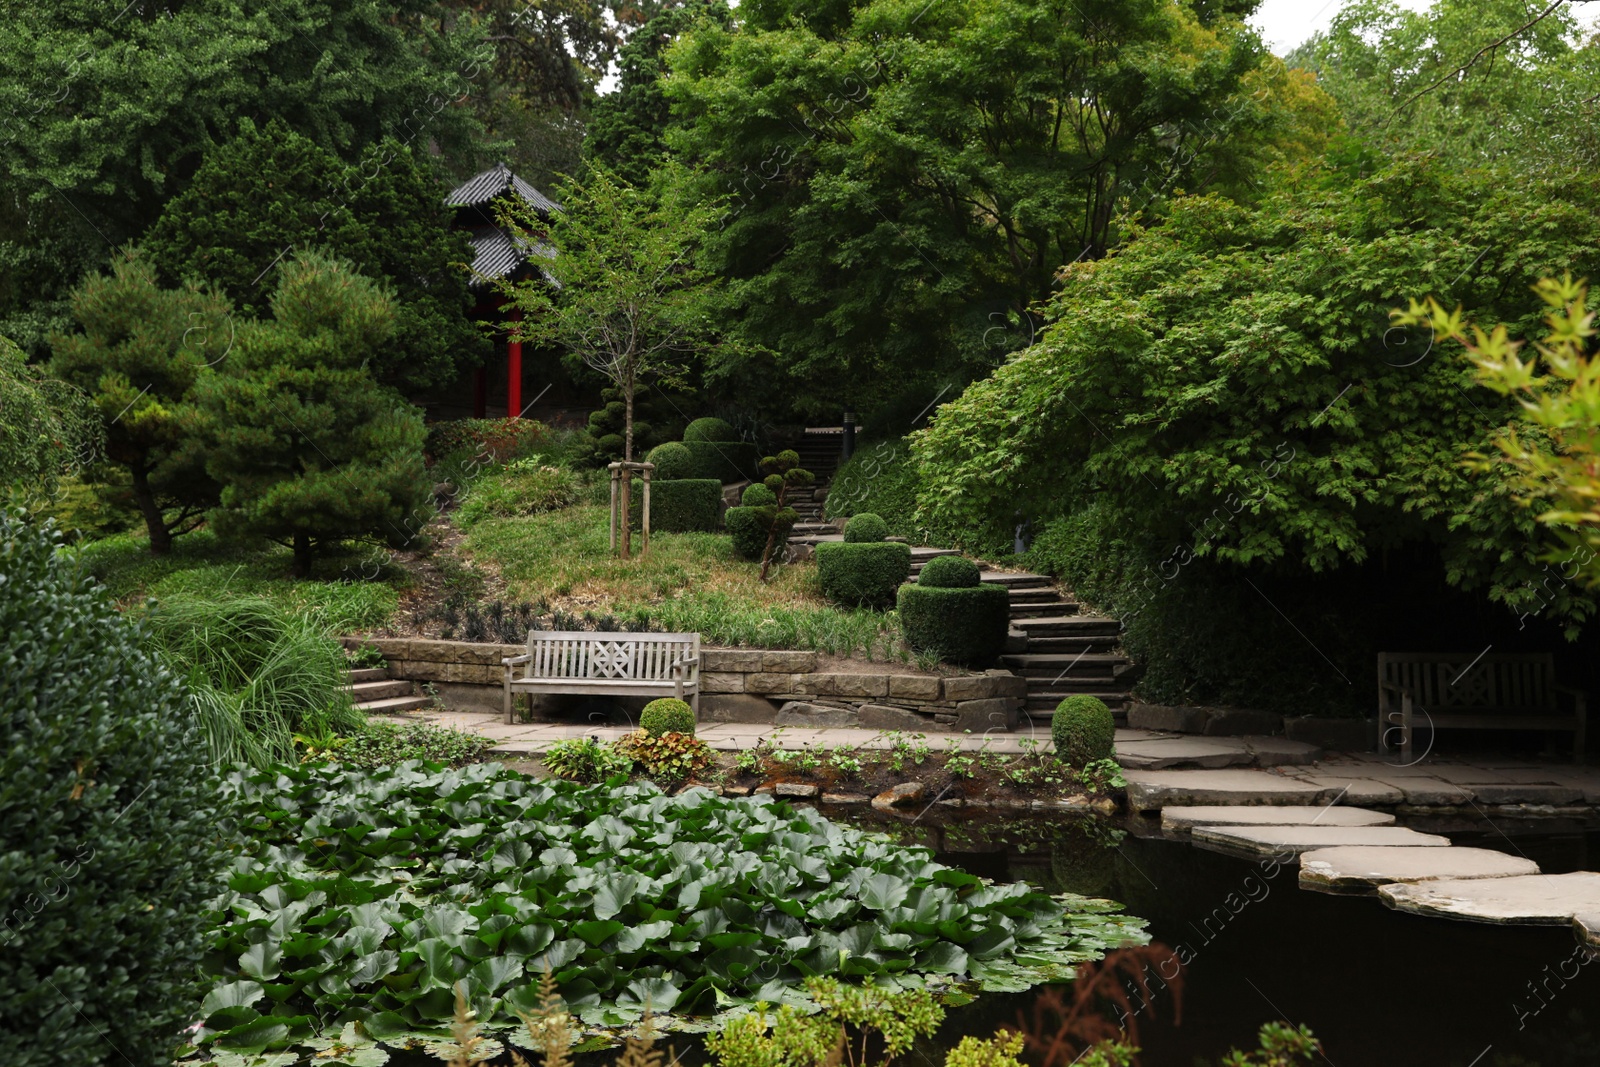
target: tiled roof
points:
(496, 254)
(484, 187)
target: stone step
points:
(1180, 819)
(391, 705)
(1013, 580)
(1276, 840)
(1044, 662)
(1073, 644)
(1047, 610)
(367, 674)
(1040, 705)
(1045, 595)
(1363, 869)
(380, 690)
(1067, 623)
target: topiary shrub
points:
(865, 574)
(709, 429)
(751, 526)
(681, 506)
(667, 716)
(672, 461)
(757, 495)
(949, 572)
(1083, 730)
(726, 461)
(865, 527)
(951, 612)
(108, 824)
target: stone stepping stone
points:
(1186, 818)
(1354, 868)
(1274, 840)
(1149, 790)
(1587, 928)
(1156, 754)
(1529, 900)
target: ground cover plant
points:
(381, 744)
(373, 896)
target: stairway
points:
(375, 693)
(1067, 653)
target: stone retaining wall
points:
(750, 686)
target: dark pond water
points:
(1379, 988)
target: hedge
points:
(679, 506)
(963, 624)
(108, 824)
(750, 528)
(709, 429)
(726, 461)
(866, 573)
(672, 461)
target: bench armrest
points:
(1393, 687)
(508, 661)
(686, 661)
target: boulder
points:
(802, 713)
(983, 716)
(737, 707)
(890, 717)
(902, 795)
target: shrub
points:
(865, 527)
(670, 757)
(964, 623)
(108, 855)
(709, 429)
(750, 528)
(1083, 730)
(866, 574)
(585, 759)
(681, 506)
(949, 572)
(667, 716)
(672, 461)
(726, 461)
(385, 744)
(492, 440)
(757, 495)
(526, 487)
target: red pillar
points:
(514, 373)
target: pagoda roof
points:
(494, 182)
(496, 254)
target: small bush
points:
(709, 429)
(751, 526)
(949, 572)
(672, 460)
(667, 716)
(867, 574)
(585, 759)
(525, 487)
(384, 744)
(109, 813)
(757, 495)
(865, 527)
(491, 440)
(1083, 730)
(670, 757)
(682, 506)
(726, 461)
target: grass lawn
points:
(689, 581)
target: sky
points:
(1285, 24)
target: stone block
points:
(799, 790)
(982, 716)
(770, 683)
(722, 682)
(1166, 718)
(913, 687)
(802, 713)
(730, 659)
(841, 685)
(890, 717)
(737, 707)
(793, 662)
(971, 687)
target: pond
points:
(1379, 988)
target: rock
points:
(1158, 753)
(798, 789)
(913, 687)
(1586, 925)
(1148, 790)
(982, 716)
(737, 707)
(444, 495)
(1166, 718)
(1184, 818)
(798, 553)
(1274, 840)
(982, 687)
(1531, 899)
(801, 713)
(1358, 791)
(767, 682)
(1356, 868)
(1525, 793)
(845, 799)
(890, 717)
(1105, 806)
(1280, 751)
(1335, 735)
(735, 790)
(792, 662)
(721, 682)
(900, 796)
(764, 790)
(1424, 791)
(738, 660)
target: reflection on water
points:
(1247, 946)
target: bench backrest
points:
(1464, 680)
(583, 654)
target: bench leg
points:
(508, 697)
(694, 702)
(1405, 728)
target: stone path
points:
(1365, 868)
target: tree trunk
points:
(627, 457)
(154, 521)
(302, 555)
(772, 534)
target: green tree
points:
(271, 191)
(47, 427)
(309, 449)
(907, 179)
(630, 300)
(138, 354)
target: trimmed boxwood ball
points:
(1083, 730)
(866, 527)
(672, 461)
(109, 814)
(757, 495)
(726, 461)
(750, 528)
(709, 429)
(667, 716)
(863, 574)
(682, 506)
(949, 572)
(964, 623)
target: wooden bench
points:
(606, 664)
(1442, 691)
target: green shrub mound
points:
(726, 461)
(865, 574)
(667, 716)
(949, 572)
(672, 460)
(689, 905)
(750, 527)
(757, 495)
(709, 429)
(864, 528)
(951, 612)
(1083, 730)
(683, 506)
(108, 812)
